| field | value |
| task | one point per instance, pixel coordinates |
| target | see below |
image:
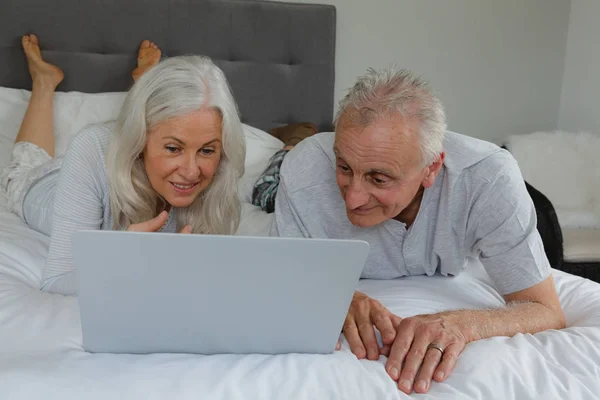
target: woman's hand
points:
(186, 229)
(155, 224)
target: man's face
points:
(379, 167)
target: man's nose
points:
(356, 195)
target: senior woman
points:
(170, 163)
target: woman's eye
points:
(172, 149)
(207, 151)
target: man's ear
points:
(432, 170)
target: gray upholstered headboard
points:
(278, 57)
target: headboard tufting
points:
(278, 57)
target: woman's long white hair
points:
(173, 88)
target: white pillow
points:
(74, 110)
(260, 147)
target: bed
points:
(279, 58)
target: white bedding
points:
(41, 355)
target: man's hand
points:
(426, 347)
(415, 358)
(366, 314)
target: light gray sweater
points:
(81, 203)
(478, 207)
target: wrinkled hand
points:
(414, 335)
(366, 314)
(155, 224)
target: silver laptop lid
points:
(161, 292)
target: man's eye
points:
(344, 168)
(379, 181)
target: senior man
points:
(425, 200)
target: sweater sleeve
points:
(77, 206)
(286, 223)
(504, 227)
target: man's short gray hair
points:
(397, 91)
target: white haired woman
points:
(170, 163)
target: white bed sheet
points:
(41, 355)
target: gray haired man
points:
(426, 200)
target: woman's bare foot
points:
(44, 75)
(148, 56)
(293, 134)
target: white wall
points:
(580, 100)
(496, 64)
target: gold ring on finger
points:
(437, 347)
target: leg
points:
(28, 182)
(265, 189)
(293, 134)
(148, 56)
(31, 157)
(38, 203)
(37, 126)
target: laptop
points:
(145, 293)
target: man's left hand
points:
(426, 347)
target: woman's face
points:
(182, 155)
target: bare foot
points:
(148, 56)
(293, 134)
(42, 73)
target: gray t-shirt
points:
(81, 202)
(478, 206)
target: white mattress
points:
(41, 355)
